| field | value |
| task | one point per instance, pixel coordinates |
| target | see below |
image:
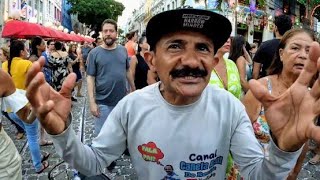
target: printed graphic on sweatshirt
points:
(195, 167)
(150, 152)
(201, 166)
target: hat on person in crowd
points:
(214, 26)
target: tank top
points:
(261, 127)
(130, 48)
(140, 79)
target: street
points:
(83, 122)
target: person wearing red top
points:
(131, 45)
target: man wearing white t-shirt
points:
(181, 120)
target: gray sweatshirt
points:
(194, 140)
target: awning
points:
(22, 29)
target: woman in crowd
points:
(17, 67)
(77, 64)
(285, 68)
(131, 45)
(61, 65)
(10, 160)
(4, 55)
(38, 46)
(138, 66)
(225, 75)
(241, 57)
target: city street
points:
(83, 122)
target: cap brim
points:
(215, 26)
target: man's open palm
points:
(291, 115)
(52, 107)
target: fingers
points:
(315, 91)
(68, 85)
(33, 88)
(261, 93)
(35, 68)
(311, 67)
(45, 109)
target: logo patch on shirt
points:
(150, 152)
(194, 21)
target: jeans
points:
(19, 129)
(32, 131)
(99, 121)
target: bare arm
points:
(6, 84)
(133, 65)
(256, 70)
(130, 80)
(247, 55)
(253, 106)
(91, 88)
(91, 85)
(241, 64)
(7, 88)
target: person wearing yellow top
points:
(17, 66)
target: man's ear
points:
(150, 59)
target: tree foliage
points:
(312, 3)
(94, 12)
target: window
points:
(168, 7)
(173, 5)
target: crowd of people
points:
(16, 60)
(180, 82)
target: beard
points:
(109, 41)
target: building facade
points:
(148, 9)
(255, 20)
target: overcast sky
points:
(129, 5)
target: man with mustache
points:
(181, 120)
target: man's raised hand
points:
(51, 107)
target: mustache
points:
(187, 71)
